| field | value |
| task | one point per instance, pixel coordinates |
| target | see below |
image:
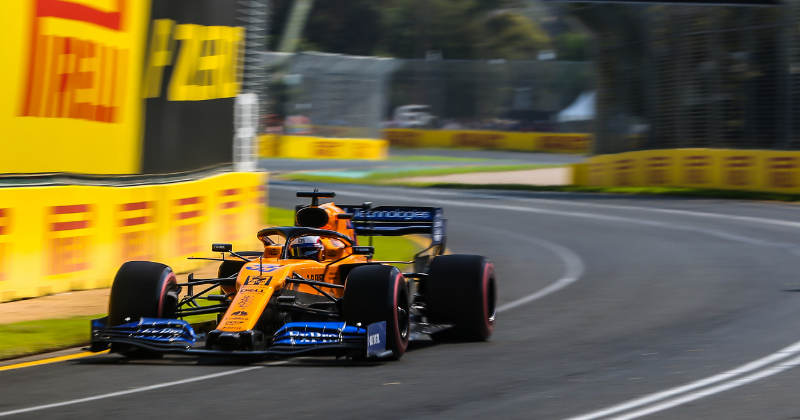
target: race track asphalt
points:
(637, 296)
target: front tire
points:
(141, 289)
(375, 293)
(461, 290)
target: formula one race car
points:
(313, 290)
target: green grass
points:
(393, 248)
(279, 217)
(385, 177)
(426, 158)
(386, 247)
(661, 191)
(32, 337)
(195, 319)
(418, 158)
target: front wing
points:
(293, 339)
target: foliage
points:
(460, 29)
(573, 46)
(512, 36)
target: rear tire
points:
(375, 293)
(141, 289)
(461, 290)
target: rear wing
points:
(398, 221)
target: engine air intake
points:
(312, 217)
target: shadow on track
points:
(172, 360)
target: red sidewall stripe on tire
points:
(170, 279)
(488, 324)
(401, 345)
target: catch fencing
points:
(687, 76)
(334, 95)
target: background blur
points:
(156, 93)
(358, 67)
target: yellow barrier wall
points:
(502, 140)
(753, 170)
(57, 239)
(341, 132)
(307, 147)
(580, 174)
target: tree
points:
(460, 29)
(511, 36)
(336, 26)
(573, 46)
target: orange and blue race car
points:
(313, 290)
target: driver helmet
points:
(306, 247)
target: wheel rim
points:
(491, 299)
(403, 322)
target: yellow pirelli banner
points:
(753, 170)
(310, 147)
(501, 140)
(71, 79)
(57, 239)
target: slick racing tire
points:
(233, 266)
(461, 290)
(375, 293)
(141, 289)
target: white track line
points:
(136, 390)
(792, 363)
(126, 392)
(792, 350)
(574, 267)
(792, 248)
(729, 379)
(776, 222)
(574, 270)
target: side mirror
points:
(363, 250)
(221, 247)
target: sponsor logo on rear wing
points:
(392, 213)
(398, 220)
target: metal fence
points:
(673, 76)
(346, 96)
(492, 94)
